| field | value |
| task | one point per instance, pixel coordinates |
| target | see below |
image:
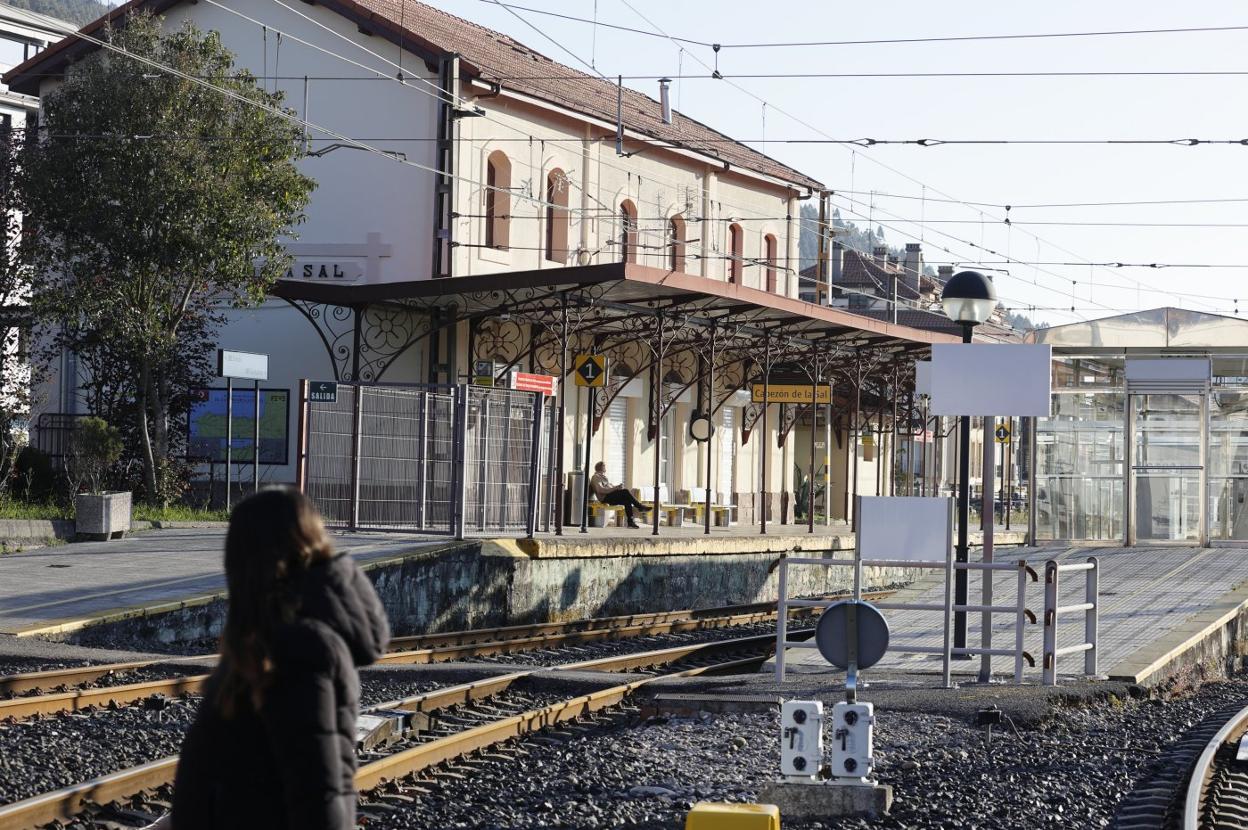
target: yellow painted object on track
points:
(707, 815)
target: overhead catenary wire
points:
(873, 42)
(304, 122)
(1178, 295)
(821, 132)
(436, 92)
(287, 115)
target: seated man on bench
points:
(614, 494)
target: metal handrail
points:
(1053, 611)
(1019, 609)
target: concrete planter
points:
(100, 516)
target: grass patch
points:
(15, 509)
(12, 509)
(177, 513)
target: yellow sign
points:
(590, 370)
(1002, 434)
(790, 393)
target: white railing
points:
(1053, 611)
(947, 608)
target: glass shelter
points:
(1147, 439)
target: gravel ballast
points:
(1070, 772)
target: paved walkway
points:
(48, 585)
(1153, 601)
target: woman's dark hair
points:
(273, 537)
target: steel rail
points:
(66, 803)
(451, 645)
(1198, 787)
(125, 694)
(52, 678)
(25, 707)
(421, 757)
(491, 647)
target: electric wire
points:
(288, 116)
(874, 42)
(818, 131)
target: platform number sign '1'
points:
(591, 370)
(1002, 434)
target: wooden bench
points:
(675, 512)
(721, 514)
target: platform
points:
(1162, 609)
(63, 585)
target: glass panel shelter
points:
(1147, 440)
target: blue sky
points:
(974, 108)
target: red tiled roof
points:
(490, 55)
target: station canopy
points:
(686, 327)
(1156, 329)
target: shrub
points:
(94, 447)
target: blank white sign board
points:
(991, 379)
(913, 528)
(923, 377)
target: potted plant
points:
(94, 447)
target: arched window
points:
(676, 230)
(736, 253)
(557, 216)
(628, 231)
(497, 200)
(769, 255)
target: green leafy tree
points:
(153, 204)
(15, 374)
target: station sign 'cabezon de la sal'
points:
(790, 393)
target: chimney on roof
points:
(665, 98)
(944, 273)
(836, 270)
(880, 254)
(913, 265)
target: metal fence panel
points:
(404, 470)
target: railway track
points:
(1217, 792)
(408, 737)
(423, 649)
(1196, 784)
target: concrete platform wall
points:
(479, 584)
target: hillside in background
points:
(847, 233)
(75, 11)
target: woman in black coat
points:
(273, 745)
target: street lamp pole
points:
(969, 299)
(963, 552)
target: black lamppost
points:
(969, 299)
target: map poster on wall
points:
(206, 426)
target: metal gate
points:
(438, 459)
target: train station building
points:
(1148, 438)
(510, 212)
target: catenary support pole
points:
(710, 453)
(656, 393)
(763, 439)
(560, 485)
(814, 431)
